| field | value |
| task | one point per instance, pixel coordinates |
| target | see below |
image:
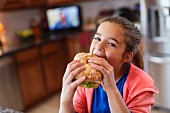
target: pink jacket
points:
(137, 92)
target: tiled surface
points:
(52, 106)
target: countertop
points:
(49, 38)
(26, 45)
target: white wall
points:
(15, 20)
(91, 9)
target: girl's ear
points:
(128, 57)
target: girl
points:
(125, 87)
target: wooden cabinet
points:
(30, 76)
(15, 4)
(54, 66)
(73, 47)
(40, 71)
(32, 83)
(54, 2)
(9, 4)
(33, 3)
(53, 79)
(21, 4)
(77, 44)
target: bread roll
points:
(93, 76)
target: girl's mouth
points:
(101, 56)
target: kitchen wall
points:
(16, 20)
(91, 9)
(19, 19)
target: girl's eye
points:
(97, 38)
(112, 44)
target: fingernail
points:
(89, 60)
(83, 67)
(82, 63)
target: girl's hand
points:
(69, 86)
(100, 64)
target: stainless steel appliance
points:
(9, 88)
(155, 26)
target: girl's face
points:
(109, 43)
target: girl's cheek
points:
(91, 49)
(93, 44)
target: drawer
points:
(27, 55)
(50, 48)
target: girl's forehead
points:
(110, 29)
(110, 26)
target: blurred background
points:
(38, 39)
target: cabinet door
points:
(52, 2)
(32, 83)
(11, 4)
(52, 72)
(30, 3)
(54, 66)
(73, 47)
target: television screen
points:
(64, 18)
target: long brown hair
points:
(132, 39)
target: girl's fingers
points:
(70, 67)
(99, 61)
(78, 82)
(74, 73)
(99, 68)
(102, 66)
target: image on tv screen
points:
(63, 18)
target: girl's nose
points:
(100, 47)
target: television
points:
(64, 19)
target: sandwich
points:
(93, 76)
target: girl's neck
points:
(118, 74)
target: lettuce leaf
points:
(88, 84)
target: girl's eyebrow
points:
(97, 34)
(110, 38)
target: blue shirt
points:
(100, 100)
